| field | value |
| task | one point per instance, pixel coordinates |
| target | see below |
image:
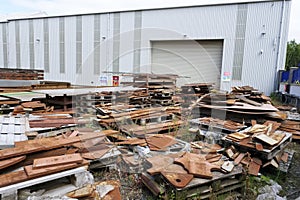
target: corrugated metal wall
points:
(79, 48)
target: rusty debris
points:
(162, 134)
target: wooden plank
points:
(266, 139)
(57, 160)
(9, 162)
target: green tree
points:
(292, 54)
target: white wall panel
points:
(261, 45)
(70, 49)
(127, 41)
(24, 44)
(54, 73)
(1, 47)
(38, 43)
(87, 50)
(11, 45)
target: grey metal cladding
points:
(79, 44)
(31, 44)
(137, 41)
(116, 42)
(62, 67)
(4, 41)
(18, 48)
(46, 44)
(97, 43)
(239, 45)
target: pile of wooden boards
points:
(140, 121)
(265, 135)
(210, 122)
(160, 87)
(191, 92)
(21, 74)
(32, 107)
(40, 157)
(55, 121)
(261, 141)
(193, 173)
(253, 163)
(140, 98)
(292, 127)
(251, 93)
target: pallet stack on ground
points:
(191, 92)
(134, 121)
(21, 74)
(160, 87)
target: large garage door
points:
(199, 60)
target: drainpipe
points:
(276, 81)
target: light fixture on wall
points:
(103, 37)
(184, 35)
(37, 40)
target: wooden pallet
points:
(266, 154)
(200, 188)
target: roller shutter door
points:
(199, 60)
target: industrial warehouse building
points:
(240, 43)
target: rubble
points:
(138, 130)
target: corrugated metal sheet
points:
(201, 61)
(127, 44)
(24, 44)
(11, 45)
(201, 23)
(87, 50)
(70, 53)
(2, 45)
(38, 43)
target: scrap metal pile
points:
(143, 130)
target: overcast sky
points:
(61, 7)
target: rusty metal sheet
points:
(197, 165)
(160, 141)
(238, 159)
(45, 144)
(95, 154)
(53, 122)
(178, 180)
(34, 104)
(57, 160)
(12, 161)
(33, 173)
(13, 177)
(259, 147)
(253, 168)
(165, 163)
